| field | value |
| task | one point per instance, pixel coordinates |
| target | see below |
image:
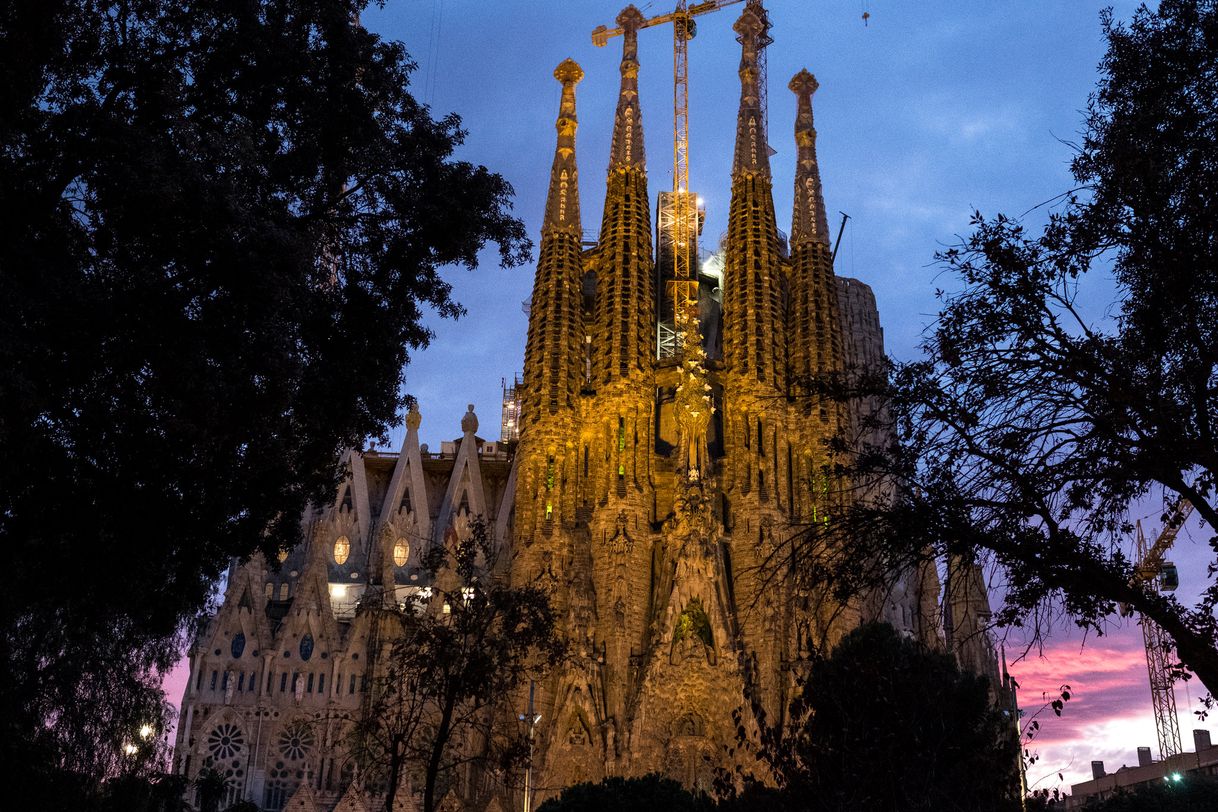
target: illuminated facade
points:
(647, 487)
(654, 486)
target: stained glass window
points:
(225, 741)
(342, 549)
(238, 645)
(295, 741)
(306, 647)
(401, 551)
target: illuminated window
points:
(270, 590)
(401, 551)
(342, 549)
(283, 556)
(283, 592)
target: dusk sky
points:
(927, 112)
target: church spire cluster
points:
(649, 491)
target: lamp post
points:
(532, 718)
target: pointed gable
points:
(302, 800)
(465, 494)
(406, 500)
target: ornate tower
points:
(652, 504)
(552, 366)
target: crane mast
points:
(1158, 643)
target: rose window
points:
(295, 741)
(225, 741)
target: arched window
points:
(401, 552)
(306, 647)
(238, 645)
(342, 549)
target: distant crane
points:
(1161, 575)
(682, 222)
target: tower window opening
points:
(215, 675)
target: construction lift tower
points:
(1153, 571)
(679, 215)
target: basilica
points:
(657, 453)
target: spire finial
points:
(562, 203)
(752, 150)
(627, 150)
(808, 220)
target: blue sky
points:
(927, 112)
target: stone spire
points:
(627, 151)
(816, 322)
(552, 355)
(753, 266)
(808, 221)
(562, 203)
(625, 303)
(752, 150)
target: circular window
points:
(226, 741)
(306, 647)
(295, 741)
(342, 549)
(238, 645)
(401, 552)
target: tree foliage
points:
(1038, 422)
(222, 224)
(885, 723)
(618, 794)
(469, 643)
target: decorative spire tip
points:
(804, 83)
(569, 72)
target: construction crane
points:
(1161, 575)
(682, 219)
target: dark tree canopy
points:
(651, 792)
(886, 724)
(222, 224)
(1032, 431)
